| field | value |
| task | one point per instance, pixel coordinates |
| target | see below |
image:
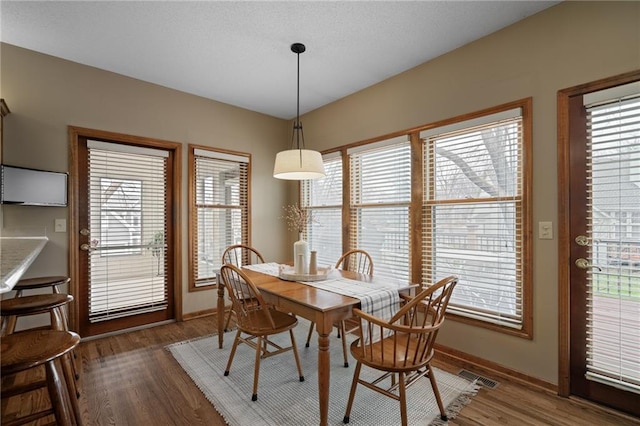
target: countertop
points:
(16, 255)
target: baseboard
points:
(490, 368)
(200, 314)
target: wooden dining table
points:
(323, 307)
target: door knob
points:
(84, 231)
(584, 264)
(86, 247)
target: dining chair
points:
(240, 255)
(355, 260)
(403, 349)
(257, 321)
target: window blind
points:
(323, 198)
(613, 290)
(220, 210)
(473, 216)
(128, 250)
(380, 185)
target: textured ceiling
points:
(238, 52)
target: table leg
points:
(323, 373)
(220, 314)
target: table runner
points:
(377, 298)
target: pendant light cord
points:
(297, 125)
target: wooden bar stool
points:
(11, 309)
(53, 304)
(30, 349)
(40, 282)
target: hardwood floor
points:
(130, 379)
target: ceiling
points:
(238, 52)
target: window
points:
(323, 199)
(120, 216)
(475, 216)
(219, 215)
(380, 188)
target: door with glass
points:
(604, 244)
(124, 251)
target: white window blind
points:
(613, 290)
(323, 198)
(473, 216)
(380, 185)
(127, 203)
(220, 209)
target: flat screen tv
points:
(31, 187)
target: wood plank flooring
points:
(130, 379)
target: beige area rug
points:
(284, 400)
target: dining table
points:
(323, 307)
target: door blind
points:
(473, 216)
(613, 285)
(380, 182)
(221, 211)
(128, 250)
(323, 199)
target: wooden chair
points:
(257, 321)
(30, 349)
(357, 261)
(405, 350)
(240, 255)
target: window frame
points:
(524, 260)
(215, 154)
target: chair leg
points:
(72, 385)
(256, 369)
(352, 393)
(306, 345)
(345, 356)
(233, 352)
(295, 354)
(402, 390)
(436, 392)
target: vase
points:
(301, 257)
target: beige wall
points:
(566, 45)
(569, 44)
(47, 94)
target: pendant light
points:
(298, 163)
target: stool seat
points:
(32, 305)
(28, 349)
(41, 282)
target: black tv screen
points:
(31, 187)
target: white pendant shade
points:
(298, 164)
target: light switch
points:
(60, 225)
(545, 230)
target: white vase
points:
(301, 257)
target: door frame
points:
(564, 238)
(75, 164)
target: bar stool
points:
(40, 282)
(53, 304)
(30, 349)
(53, 281)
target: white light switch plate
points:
(60, 225)
(545, 230)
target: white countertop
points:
(16, 255)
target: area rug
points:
(284, 400)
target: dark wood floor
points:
(130, 379)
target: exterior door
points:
(603, 242)
(124, 243)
